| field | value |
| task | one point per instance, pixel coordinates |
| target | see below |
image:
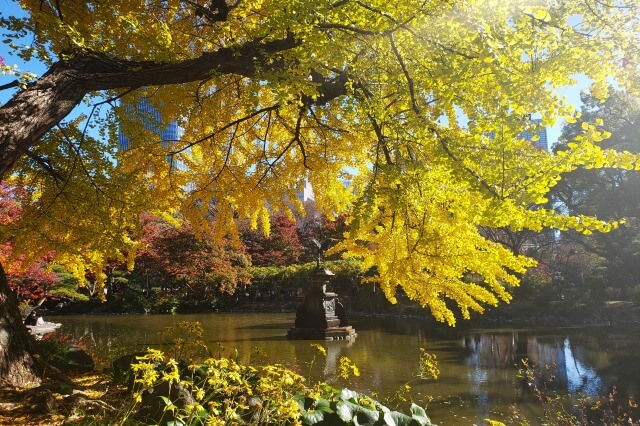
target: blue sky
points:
(11, 8)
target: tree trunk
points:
(33, 112)
(17, 365)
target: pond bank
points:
(555, 313)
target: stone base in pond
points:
(332, 333)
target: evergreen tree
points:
(608, 193)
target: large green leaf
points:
(346, 411)
(312, 417)
(395, 418)
(381, 407)
(418, 414)
(301, 399)
(316, 412)
(360, 416)
(347, 394)
(323, 405)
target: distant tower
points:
(541, 133)
(306, 194)
(150, 118)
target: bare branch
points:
(45, 165)
(407, 76)
(377, 11)
(381, 139)
(349, 28)
(14, 83)
(445, 146)
(225, 127)
(295, 139)
(377, 128)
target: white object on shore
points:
(43, 327)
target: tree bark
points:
(17, 365)
(34, 111)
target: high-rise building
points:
(151, 120)
(537, 138)
(306, 193)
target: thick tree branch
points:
(14, 83)
(101, 72)
(34, 111)
(407, 76)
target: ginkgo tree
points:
(405, 115)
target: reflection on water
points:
(491, 354)
(478, 367)
(579, 376)
(490, 351)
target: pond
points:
(478, 367)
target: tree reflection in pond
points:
(569, 363)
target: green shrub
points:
(347, 273)
(66, 285)
(224, 391)
(220, 390)
(52, 348)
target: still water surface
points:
(479, 367)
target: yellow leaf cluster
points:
(420, 146)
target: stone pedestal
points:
(321, 316)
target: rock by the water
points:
(76, 359)
(152, 409)
(42, 328)
(121, 368)
(80, 359)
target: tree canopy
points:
(179, 262)
(607, 193)
(405, 115)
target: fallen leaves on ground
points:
(55, 403)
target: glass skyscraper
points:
(538, 137)
(151, 120)
(541, 132)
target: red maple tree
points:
(281, 247)
(177, 261)
(30, 280)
